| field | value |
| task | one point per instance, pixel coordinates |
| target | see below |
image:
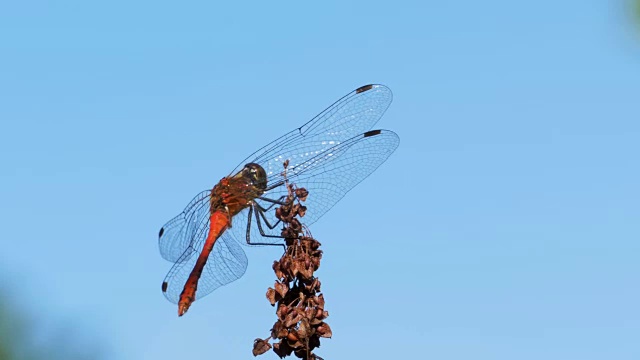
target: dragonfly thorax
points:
(237, 192)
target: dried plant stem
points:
(296, 292)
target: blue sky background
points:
(505, 226)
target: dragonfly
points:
(328, 156)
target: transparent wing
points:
(328, 174)
(227, 262)
(351, 115)
(179, 233)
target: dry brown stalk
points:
(296, 294)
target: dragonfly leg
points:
(273, 202)
(260, 210)
(251, 210)
(277, 184)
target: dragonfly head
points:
(256, 175)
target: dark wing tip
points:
(372, 133)
(161, 232)
(164, 286)
(364, 88)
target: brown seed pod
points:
(261, 346)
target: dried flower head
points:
(296, 292)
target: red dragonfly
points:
(328, 156)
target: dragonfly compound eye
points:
(257, 174)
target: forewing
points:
(227, 262)
(353, 114)
(328, 175)
(190, 226)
